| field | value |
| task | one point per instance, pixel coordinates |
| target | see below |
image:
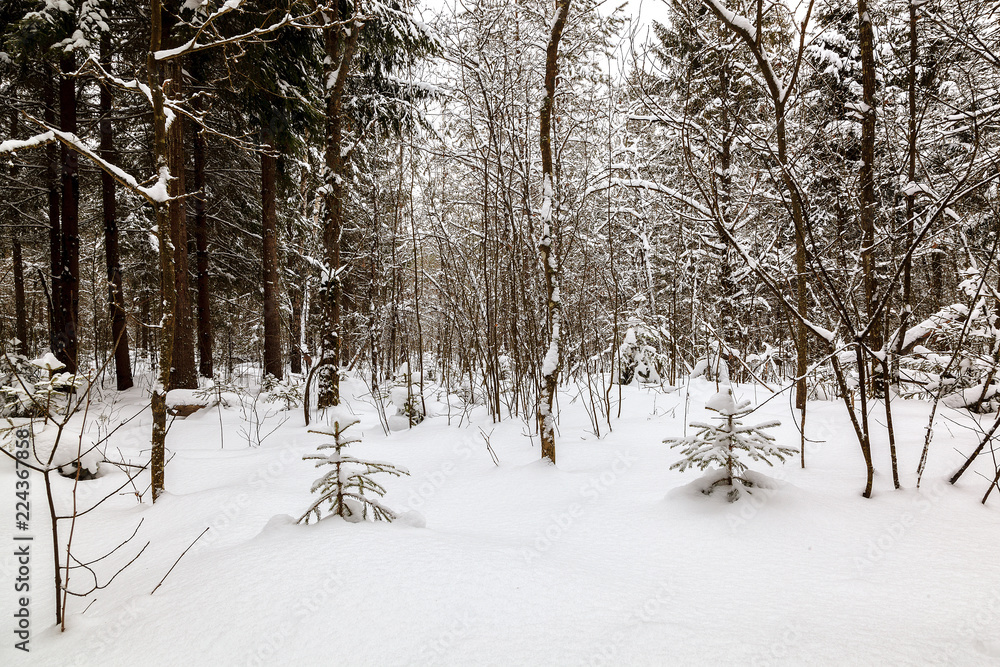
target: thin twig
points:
(178, 560)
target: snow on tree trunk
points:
(341, 43)
(550, 263)
(158, 402)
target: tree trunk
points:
(801, 291)
(866, 194)
(201, 246)
(184, 374)
(295, 331)
(20, 307)
(727, 299)
(272, 314)
(340, 48)
(116, 296)
(20, 311)
(56, 328)
(70, 240)
(158, 402)
(911, 163)
(550, 263)
(778, 91)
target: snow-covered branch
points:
(154, 194)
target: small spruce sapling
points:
(346, 485)
(720, 445)
(638, 359)
(406, 396)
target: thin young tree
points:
(548, 217)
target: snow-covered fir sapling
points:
(406, 395)
(287, 392)
(637, 359)
(346, 485)
(721, 445)
(26, 391)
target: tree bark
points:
(116, 296)
(70, 239)
(911, 162)
(269, 269)
(20, 310)
(20, 307)
(295, 332)
(778, 92)
(340, 49)
(550, 263)
(56, 328)
(866, 185)
(184, 374)
(158, 402)
(201, 248)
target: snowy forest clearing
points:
(530, 205)
(609, 558)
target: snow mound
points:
(412, 518)
(71, 446)
(177, 397)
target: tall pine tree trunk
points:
(269, 256)
(20, 310)
(20, 307)
(779, 91)
(728, 326)
(184, 375)
(866, 185)
(56, 328)
(70, 239)
(116, 296)
(201, 248)
(801, 288)
(158, 401)
(295, 331)
(340, 46)
(866, 175)
(550, 263)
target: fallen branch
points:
(178, 560)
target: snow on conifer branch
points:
(719, 445)
(346, 486)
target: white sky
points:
(646, 10)
(643, 11)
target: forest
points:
(529, 262)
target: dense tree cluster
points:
(505, 195)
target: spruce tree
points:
(345, 486)
(720, 445)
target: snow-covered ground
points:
(609, 558)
